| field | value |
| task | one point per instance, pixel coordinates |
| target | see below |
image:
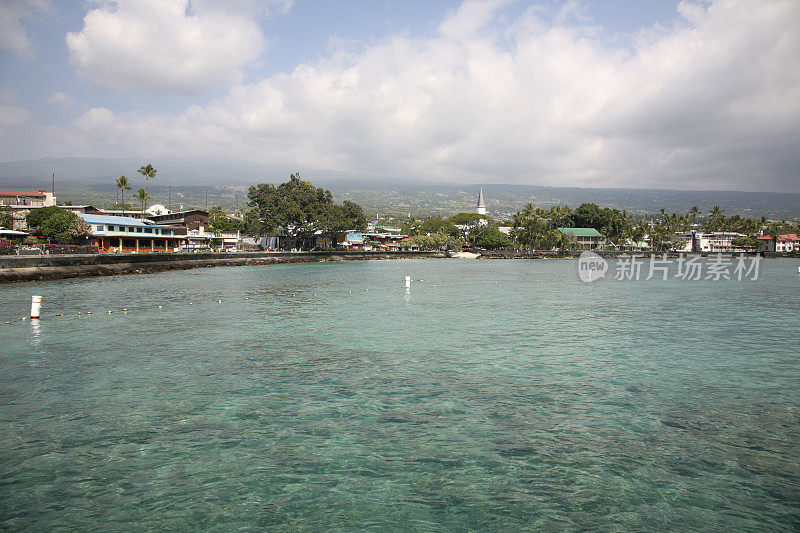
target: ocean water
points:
(495, 396)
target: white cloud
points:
(166, 45)
(14, 16)
(711, 103)
(60, 98)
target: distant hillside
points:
(86, 180)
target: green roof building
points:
(588, 238)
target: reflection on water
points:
(503, 395)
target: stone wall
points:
(26, 268)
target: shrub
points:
(6, 248)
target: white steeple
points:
(481, 209)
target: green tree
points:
(467, 222)
(141, 196)
(6, 218)
(148, 172)
(694, 212)
(492, 238)
(221, 222)
(123, 185)
(715, 219)
(297, 209)
(588, 216)
(59, 225)
(434, 225)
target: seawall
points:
(30, 268)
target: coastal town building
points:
(351, 240)
(20, 203)
(126, 234)
(384, 241)
(588, 238)
(786, 243)
(713, 242)
(192, 220)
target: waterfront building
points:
(588, 238)
(127, 234)
(351, 240)
(20, 203)
(89, 209)
(193, 219)
(384, 241)
(715, 241)
(788, 242)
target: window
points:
(148, 230)
(111, 228)
(138, 230)
(98, 227)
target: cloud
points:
(14, 15)
(166, 45)
(713, 102)
(59, 98)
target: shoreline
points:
(41, 268)
(50, 267)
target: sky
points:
(700, 94)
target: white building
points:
(481, 208)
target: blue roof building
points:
(127, 234)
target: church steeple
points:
(481, 209)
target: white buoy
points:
(408, 282)
(36, 304)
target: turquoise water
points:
(497, 395)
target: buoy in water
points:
(36, 304)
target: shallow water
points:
(497, 395)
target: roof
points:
(480, 199)
(22, 193)
(581, 232)
(178, 214)
(109, 219)
(786, 237)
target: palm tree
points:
(715, 217)
(122, 185)
(694, 211)
(148, 172)
(142, 196)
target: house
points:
(192, 220)
(126, 234)
(88, 209)
(202, 240)
(351, 240)
(786, 243)
(588, 238)
(20, 203)
(716, 241)
(384, 241)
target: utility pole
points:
(53, 188)
(206, 199)
(169, 202)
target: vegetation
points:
(141, 196)
(6, 218)
(221, 222)
(123, 185)
(492, 238)
(148, 172)
(299, 210)
(56, 224)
